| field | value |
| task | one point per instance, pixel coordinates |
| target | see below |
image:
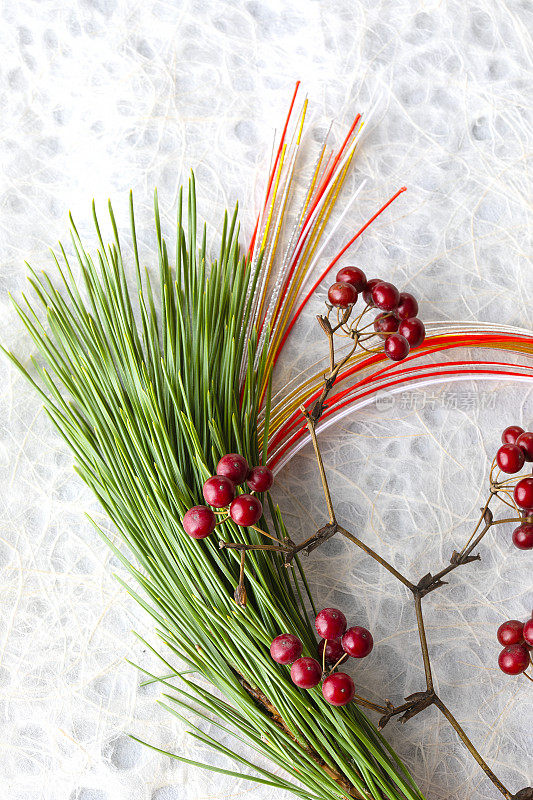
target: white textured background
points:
(98, 96)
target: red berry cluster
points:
(515, 452)
(220, 492)
(517, 638)
(398, 324)
(336, 643)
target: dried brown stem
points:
(334, 368)
(312, 433)
(240, 592)
(418, 701)
(471, 749)
(344, 784)
(372, 553)
(341, 660)
(242, 546)
(264, 533)
(423, 641)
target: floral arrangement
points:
(161, 384)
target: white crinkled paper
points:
(100, 96)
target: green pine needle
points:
(143, 383)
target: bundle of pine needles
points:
(148, 389)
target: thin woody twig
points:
(418, 701)
(471, 749)
(312, 432)
(423, 641)
(372, 553)
(362, 701)
(483, 510)
(242, 546)
(264, 533)
(240, 591)
(341, 660)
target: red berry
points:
(510, 632)
(525, 442)
(334, 650)
(367, 291)
(219, 491)
(342, 295)
(260, 479)
(511, 434)
(286, 648)
(245, 510)
(514, 659)
(338, 689)
(386, 323)
(199, 522)
(385, 295)
(306, 672)
(528, 632)
(234, 467)
(396, 347)
(407, 306)
(352, 275)
(330, 623)
(510, 458)
(357, 642)
(523, 536)
(414, 331)
(523, 493)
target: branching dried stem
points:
(419, 701)
(334, 367)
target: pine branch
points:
(143, 383)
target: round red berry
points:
(523, 493)
(396, 347)
(385, 295)
(219, 491)
(357, 642)
(260, 479)
(342, 295)
(523, 536)
(199, 522)
(286, 648)
(525, 443)
(306, 672)
(338, 689)
(510, 632)
(233, 466)
(245, 510)
(511, 434)
(407, 306)
(510, 458)
(414, 331)
(334, 650)
(528, 632)
(330, 623)
(352, 275)
(386, 323)
(367, 291)
(514, 659)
